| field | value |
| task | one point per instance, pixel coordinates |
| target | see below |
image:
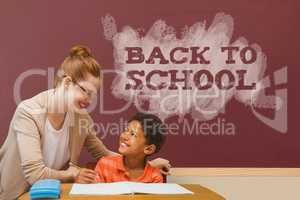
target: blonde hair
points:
(77, 65)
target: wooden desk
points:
(200, 193)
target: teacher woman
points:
(49, 130)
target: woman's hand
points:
(163, 164)
(86, 176)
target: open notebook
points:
(127, 188)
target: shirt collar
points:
(120, 164)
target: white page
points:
(158, 188)
(127, 188)
(100, 189)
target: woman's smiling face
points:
(82, 93)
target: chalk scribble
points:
(201, 104)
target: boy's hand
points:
(86, 176)
(163, 164)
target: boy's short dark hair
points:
(153, 128)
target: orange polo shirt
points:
(111, 169)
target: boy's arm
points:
(99, 170)
(157, 177)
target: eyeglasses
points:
(85, 91)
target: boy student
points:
(144, 136)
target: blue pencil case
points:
(45, 189)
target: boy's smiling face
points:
(133, 141)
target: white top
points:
(55, 148)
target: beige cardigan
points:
(21, 161)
